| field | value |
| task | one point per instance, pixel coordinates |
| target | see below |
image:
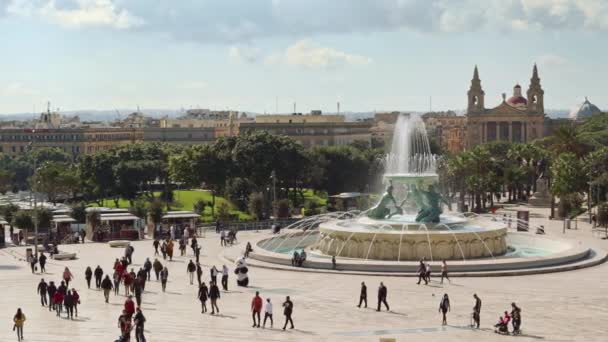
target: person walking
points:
(106, 286)
(225, 273)
(33, 262)
(203, 294)
(213, 272)
(288, 311)
(477, 311)
(117, 277)
(127, 281)
(444, 271)
(42, 291)
(163, 250)
(422, 273)
(124, 323)
(62, 288)
(129, 306)
(139, 321)
(88, 274)
(214, 295)
(157, 268)
(363, 295)
(137, 290)
(199, 273)
(156, 243)
(191, 269)
(197, 253)
(67, 276)
(267, 313)
(148, 268)
(516, 316)
(223, 238)
(256, 308)
(444, 307)
(58, 302)
(68, 303)
(170, 249)
(51, 289)
(18, 321)
(164, 275)
(98, 276)
(42, 262)
(76, 297)
(182, 246)
(382, 294)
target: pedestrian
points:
(58, 302)
(117, 277)
(33, 262)
(67, 276)
(170, 250)
(444, 307)
(42, 290)
(142, 276)
(163, 250)
(203, 294)
(76, 297)
(106, 286)
(217, 226)
(248, 249)
(422, 273)
(18, 321)
(333, 262)
(88, 274)
(124, 323)
(68, 303)
(267, 313)
(382, 294)
(182, 246)
(156, 243)
(157, 268)
(127, 281)
(190, 269)
(516, 316)
(363, 295)
(20, 237)
(129, 253)
(197, 253)
(164, 275)
(129, 306)
(172, 232)
(148, 268)
(225, 277)
(51, 289)
(427, 273)
(137, 290)
(256, 308)
(223, 238)
(62, 288)
(199, 273)
(214, 295)
(42, 262)
(193, 244)
(477, 311)
(98, 276)
(288, 311)
(213, 272)
(444, 271)
(139, 321)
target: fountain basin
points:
(412, 178)
(360, 240)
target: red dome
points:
(517, 100)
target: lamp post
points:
(30, 148)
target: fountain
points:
(407, 225)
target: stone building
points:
(516, 119)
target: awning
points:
(62, 219)
(118, 217)
(180, 214)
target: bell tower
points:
(476, 95)
(536, 94)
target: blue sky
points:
(244, 54)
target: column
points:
(510, 131)
(497, 131)
(525, 132)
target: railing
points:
(247, 225)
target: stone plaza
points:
(562, 306)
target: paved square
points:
(568, 306)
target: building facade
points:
(517, 119)
(179, 135)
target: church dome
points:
(584, 110)
(517, 99)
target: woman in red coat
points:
(58, 302)
(127, 281)
(129, 306)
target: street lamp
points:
(30, 148)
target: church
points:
(517, 119)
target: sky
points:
(264, 55)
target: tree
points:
(94, 219)
(155, 211)
(569, 179)
(283, 208)
(8, 212)
(79, 212)
(199, 207)
(44, 217)
(23, 220)
(55, 179)
(238, 190)
(6, 177)
(256, 205)
(139, 209)
(223, 211)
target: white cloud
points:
(16, 89)
(307, 54)
(551, 60)
(245, 53)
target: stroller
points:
(502, 327)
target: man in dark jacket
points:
(42, 290)
(214, 295)
(106, 285)
(477, 311)
(288, 311)
(42, 261)
(62, 288)
(363, 295)
(148, 268)
(51, 289)
(382, 293)
(139, 321)
(98, 276)
(68, 302)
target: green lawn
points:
(319, 199)
(184, 200)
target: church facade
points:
(517, 119)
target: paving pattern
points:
(570, 306)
